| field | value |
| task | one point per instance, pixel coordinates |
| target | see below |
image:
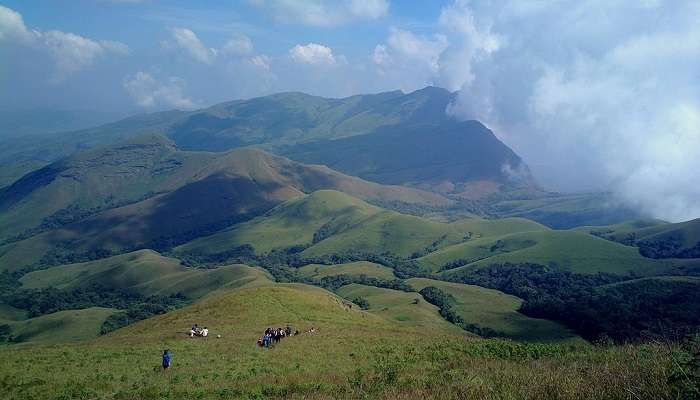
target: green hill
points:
(408, 309)
(618, 232)
(353, 354)
(148, 273)
(409, 236)
(655, 239)
(293, 223)
(330, 222)
(497, 311)
(151, 168)
(390, 232)
(198, 197)
(61, 327)
(358, 268)
(565, 250)
(562, 211)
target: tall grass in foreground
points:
(349, 366)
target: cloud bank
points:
(601, 96)
(595, 96)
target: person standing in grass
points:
(166, 360)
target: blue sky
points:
(594, 95)
(350, 30)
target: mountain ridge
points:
(394, 121)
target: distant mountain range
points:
(372, 197)
(391, 138)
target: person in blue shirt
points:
(166, 360)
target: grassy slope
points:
(386, 232)
(399, 306)
(568, 250)
(405, 234)
(354, 354)
(688, 232)
(498, 311)
(566, 211)
(354, 226)
(226, 188)
(9, 313)
(61, 326)
(367, 268)
(623, 227)
(292, 223)
(99, 178)
(148, 273)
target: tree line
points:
(597, 305)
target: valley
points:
(393, 230)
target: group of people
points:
(272, 336)
(196, 331)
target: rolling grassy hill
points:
(354, 354)
(491, 309)
(209, 192)
(565, 250)
(655, 239)
(61, 327)
(405, 308)
(149, 166)
(388, 231)
(617, 232)
(293, 223)
(148, 273)
(330, 222)
(358, 268)
(563, 211)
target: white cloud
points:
(12, 26)
(324, 13)
(69, 51)
(409, 61)
(150, 93)
(417, 48)
(237, 46)
(312, 53)
(371, 9)
(381, 56)
(261, 61)
(115, 47)
(613, 103)
(471, 44)
(188, 41)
